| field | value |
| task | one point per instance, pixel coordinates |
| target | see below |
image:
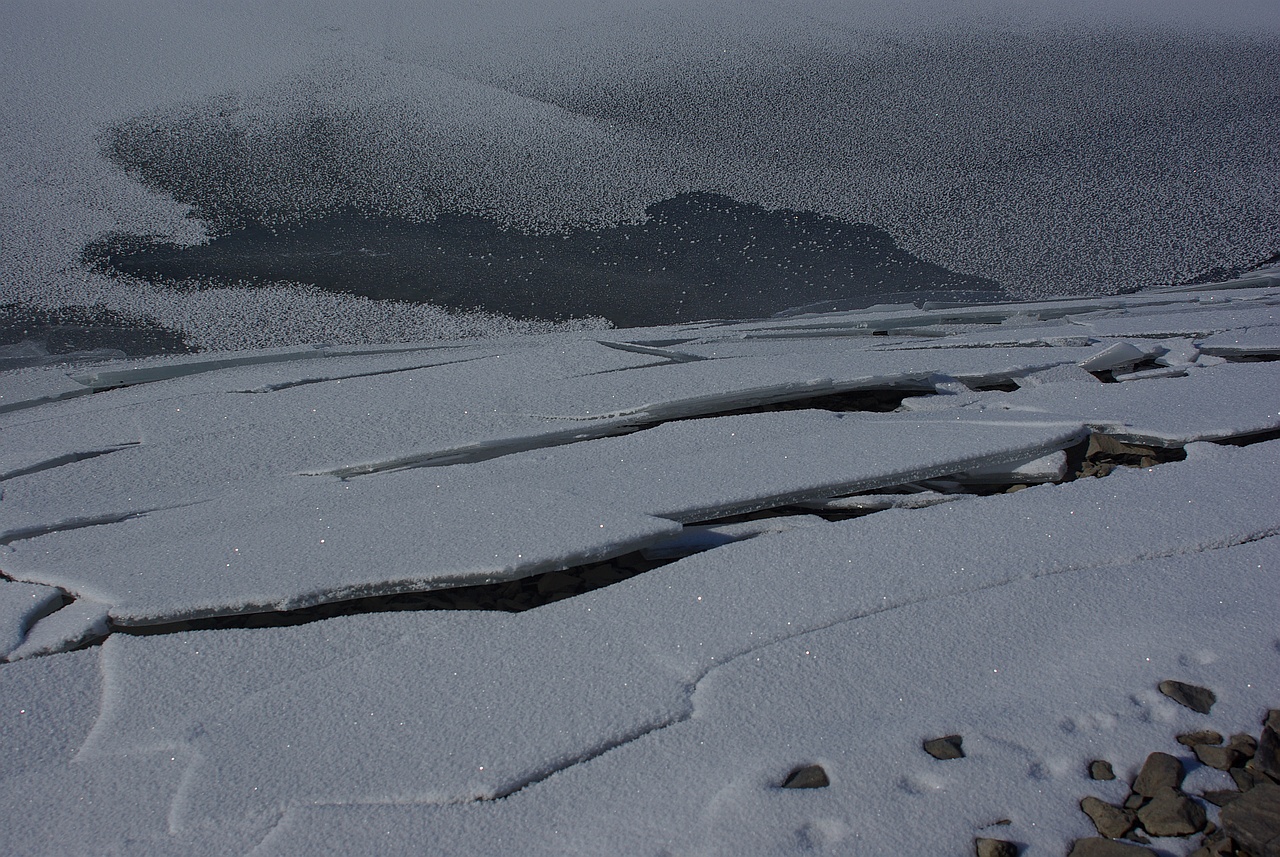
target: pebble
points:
(1222, 758)
(1160, 771)
(1171, 813)
(1112, 822)
(946, 747)
(995, 848)
(1100, 769)
(1198, 699)
(807, 777)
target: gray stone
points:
(1222, 758)
(1199, 699)
(1099, 847)
(994, 848)
(1100, 769)
(1135, 800)
(1160, 771)
(807, 777)
(1203, 736)
(1253, 820)
(946, 747)
(1111, 821)
(1171, 813)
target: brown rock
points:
(1100, 769)
(807, 777)
(1253, 820)
(1266, 759)
(1135, 800)
(946, 747)
(1222, 758)
(1245, 778)
(1099, 847)
(1199, 699)
(1221, 797)
(1160, 771)
(1112, 822)
(1171, 813)
(1244, 744)
(1203, 736)
(994, 848)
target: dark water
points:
(27, 333)
(698, 256)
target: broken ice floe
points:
(385, 739)
(21, 606)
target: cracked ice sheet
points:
(311, 539)
(272, 718)
(1209, 403)
(1039, 677)
(1185, 321)
(197, 446)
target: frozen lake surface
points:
(600, 592)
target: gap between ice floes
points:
(1097, 455)
(834, 397)
(59, 461)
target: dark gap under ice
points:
(1096, 456)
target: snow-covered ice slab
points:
(289, 546)
(21, 604)
(1206, 404)
(305, 540)
(322, 713)
(1039, 676)
(659, 713)
(73, 625)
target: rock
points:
(807, 777)
(1244, 744)
(947, 747)
(1266, 759)
(1203, 736)
(1221, 797)
(994, 848)
(1245, 778)
(1111, 821)
(1253, 820)
(1160, 771)
(1100, 769)
(1199, 699)
(1099, 847)
(1134, 800)
(1222, 758)
(1171, 813)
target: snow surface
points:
(657, 715)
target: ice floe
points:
(854, 543)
